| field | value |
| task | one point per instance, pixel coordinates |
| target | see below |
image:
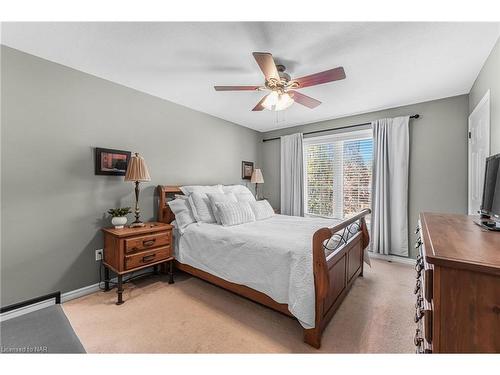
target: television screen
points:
(491, 191)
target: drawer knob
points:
(418, 244)
(417, 229)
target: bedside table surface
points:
(149, 227)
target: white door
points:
(479, 150)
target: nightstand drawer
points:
(146, 257)
(147, 242)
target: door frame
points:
(485, 99)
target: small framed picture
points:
(110, 162)
(246, 170)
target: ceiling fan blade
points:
(236, 88)
(322, 77)
(267, 65)
(304, 99)
(259, 106)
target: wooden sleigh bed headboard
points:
(166, 193)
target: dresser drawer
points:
(146, 242)
(146, 257)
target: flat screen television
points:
(490, 205)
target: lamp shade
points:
(137, 170)
(257, 177)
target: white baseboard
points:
(65, 297)
(393, 258)
(68, 296)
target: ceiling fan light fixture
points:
(271, 100)
(277, 102)
(284, 101)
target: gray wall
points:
(489, 78)
(52, 203)
(438, 156)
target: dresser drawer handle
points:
(417, 340)
(417, 287)
(419, 302)
(148, 258)
(419, 314)
(148, 243)
(418, 244)
(419, 267)
(417, 229)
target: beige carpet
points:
(193, 316)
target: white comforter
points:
(273, 256)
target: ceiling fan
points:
(282, 88)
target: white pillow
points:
(188, 190)
(245, 197)
(262, 209)
(182, 212)
(242, 193)
(236, 189)
(234, 213)
(219, 198)
(202, 210)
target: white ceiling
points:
(387, 64)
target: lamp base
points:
(137, 224)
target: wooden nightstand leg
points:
(106, 279)
(171, 272)
(155, 269)
(120, 290)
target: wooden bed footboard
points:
(337, 261)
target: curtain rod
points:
(327, 130)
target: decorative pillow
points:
(202, 210)
(188, 190)
(219, 198)
(234, 213)
(262, 209)
(182, 212)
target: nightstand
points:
(130, 249)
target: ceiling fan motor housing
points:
(281, 85)
(281, 71)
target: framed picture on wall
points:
(111, 162)
(246, 170)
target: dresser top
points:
(456, 241)
(150, 227)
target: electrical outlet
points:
(98, 254)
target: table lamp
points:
(256, 179)
(137, 171)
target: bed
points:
(271, 262)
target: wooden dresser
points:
(457, 287)
(130, 249)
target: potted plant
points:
(119, 216)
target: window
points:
(338, 173)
